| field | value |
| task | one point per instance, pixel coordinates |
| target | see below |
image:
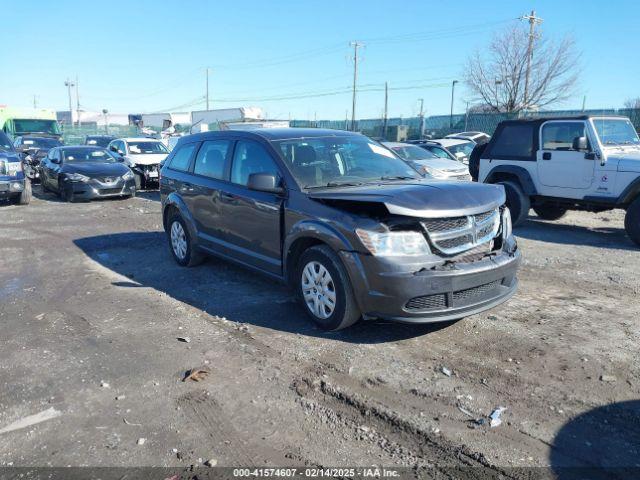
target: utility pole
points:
(533, 21)
(584, 102)
(386, 110)
(453, 88)
(35, 102)
(69, 84)
(106, 121)
(77, 100)
(356, 46)
(421, 117)
(207, 95)
(466, 116)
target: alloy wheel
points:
(318, 290)
(178, 240)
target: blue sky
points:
(147, 56)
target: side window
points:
(250, 157)
(122, 146)
(560, 135)
(182, 157)
(514, 141)
(211, 158)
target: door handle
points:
(187, 186)
(228, 198)
(546, 156)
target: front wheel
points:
(632, 221)
(517, 201)
(548, 212)
(25, 196)
(324, 289)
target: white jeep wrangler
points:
(568, 163)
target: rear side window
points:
(560, 135)
(514, 141)
(250, 157)
(211, 159)
(182, 158)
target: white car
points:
(459, 148)
(557, 164)
(142, 156)
(475, 137)
(426, 162)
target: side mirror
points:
(580, 144)
(56, 161)
(264, 182)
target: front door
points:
(250, 220)
(559, 165)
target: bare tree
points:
(497, 77)
(632, 103)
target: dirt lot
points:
(92, 306)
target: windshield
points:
(142, 148)
(33, 126)
(5, 143)
(334, 161)
(411, 152)
(87, 155)
(613, 131)
(461, 148)
(41, 142)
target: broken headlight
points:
(393, 244)
(507, 227)
(77, 177)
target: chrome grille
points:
(459, 234)
(3, 167)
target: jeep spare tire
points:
(517, 201)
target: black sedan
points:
(84, 173)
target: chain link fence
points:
(438, 126)
(75, 135)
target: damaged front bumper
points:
(404, 292)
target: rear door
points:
(206, 184)
(250, 220)
(559, 165)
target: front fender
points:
(174, 201)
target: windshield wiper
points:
(397, 177)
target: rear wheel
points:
(325, 290)
(518, 203)
(549, 212)
(632, 221)
(182, 247)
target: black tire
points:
(25, 196)
(518, 203)
(43, 184)
(66, 193)
(632, 221)
(191, 256)
(550, 212)
(345, 311)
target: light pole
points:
(421, 117)
(69, 84)
(106, 123)
(453, 88)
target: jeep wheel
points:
(518, 203)
(25, 196)
(182, 247)
(325, 290)
(632, 221)
(548, 212)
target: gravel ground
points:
(93, 306)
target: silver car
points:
(427, 162)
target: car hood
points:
(424, 199)
(96, 169)
(444, 165)
(147, 158)
(628, 161)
